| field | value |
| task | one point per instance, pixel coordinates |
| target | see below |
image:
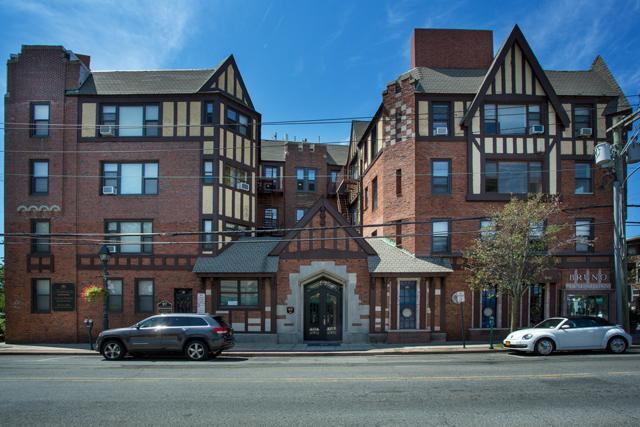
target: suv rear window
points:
(221, 321)
(187, 321)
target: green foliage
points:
(93, 293)
(2, 322)
(2, 298)
(517, 250)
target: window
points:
(115, 294)
(300, 213)
(134, 243)
(237, 230)
(207, 171)
(582, 118)
(40, 120)
(407, 304)
(237, 122)
(584, 178)
(513, 177)
(41, 243)
(398, 182)
(487, 229)
(208, 113)
(489, 300)
(441, 177)
(40, 177)
(511, 119)
(333, 176)
(305, 179)
(536, 231)
(399, 233)
(584, 235)
(154, 322)
(440, 238)
(131, 178)
(366, 197)
(41, 298)
(181, 322)
(241, 293)
(440, 114)
(374, 141)
(270, 219)
(235, 178)
(207, 237)
(588, 305)
(144, 296)
(132, 120)
(374, 193)
(536, 304)
(533, 116)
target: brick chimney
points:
(437, 48)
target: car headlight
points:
(527, 336)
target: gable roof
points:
(145, 82)
(391, 260)
(358, 128)
(516, 36)
(446, 80)
(245, 255)
(323, 204)
(337, 154)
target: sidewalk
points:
(274, 350)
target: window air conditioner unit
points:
(536, 130)
(243, 186)
(586, 131)
(112, 249)
(107, 130)
(109, 190)
(442, 130)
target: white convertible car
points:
(569, 333)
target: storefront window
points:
(536, 304)
(588, 305)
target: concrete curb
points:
(267, 353)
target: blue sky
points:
(318, 59)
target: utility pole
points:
(615, 160)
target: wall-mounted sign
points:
(63, 297)
(290, 310)
(458, 297)
(201, 304)
(588, 279)
(165, 306)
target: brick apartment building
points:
(146, 159)
(463, 130)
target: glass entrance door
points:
(323, 311)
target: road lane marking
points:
(54, 358)
(328, 379)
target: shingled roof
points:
(145, 82)
(393, 260)
(246, 255)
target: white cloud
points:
(116, 34)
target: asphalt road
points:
(460, 389)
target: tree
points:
(516, 250)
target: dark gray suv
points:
(195, 335)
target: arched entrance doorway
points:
(323, 311)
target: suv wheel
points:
(196, 350)
(113, 350)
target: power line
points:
(336, 120)
(93, 242)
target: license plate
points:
(507, 343)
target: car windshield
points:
(549, 324)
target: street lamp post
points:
(104, 255)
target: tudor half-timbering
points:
(462, 132)
(119, 152)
